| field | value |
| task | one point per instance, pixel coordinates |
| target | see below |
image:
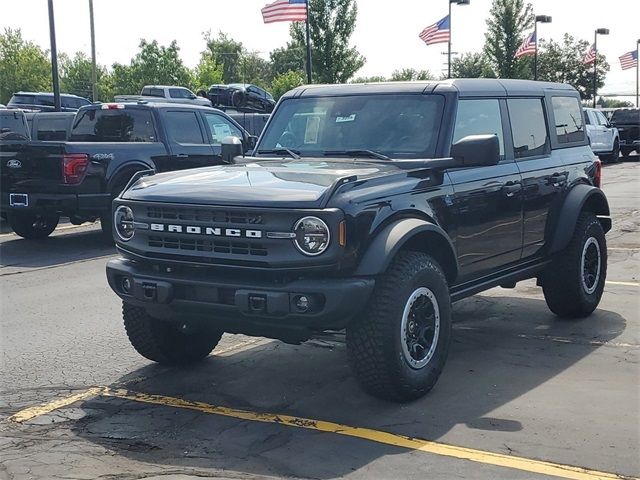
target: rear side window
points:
(183, 127)
(46, 100)
(569, 125)
(477, 117)
(153, 92)
(179, 93)
(128, 125)
(528, 127)
(22, 100)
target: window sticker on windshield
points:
(349, 118)
(221, 130)
(311, 131)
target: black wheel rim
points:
(591, 265)
(420, 328)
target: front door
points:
(187, 141)
(487, 199)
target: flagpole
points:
(449, 49)
(535, 55)
(308, 46)
(637, 72)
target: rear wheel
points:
(399, 346)
(165, 342)
(626, 152)
(33, 225)
(574, 283)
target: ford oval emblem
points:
(14, 163)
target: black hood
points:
(303, 183)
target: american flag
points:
(528, 46)
(437, 33)
(285, 11)
(591, 55)
(629, 60)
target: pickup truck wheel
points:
(574, 283)
(615, 153)
(33, 226)
(626, 152)
(399, 346)
(165, 342)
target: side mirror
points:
(192, 96)
(231, 148)
(476, 150)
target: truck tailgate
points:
(29, 165)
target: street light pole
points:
(457, 2)
(599, 31)
(538, 19)
(94, 74)
(54, 59)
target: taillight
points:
(74, 167)
(597, 177)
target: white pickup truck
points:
(165, 94)
(603, 138)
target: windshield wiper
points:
(357, 153)
(295, 154)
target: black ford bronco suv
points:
(368, 208)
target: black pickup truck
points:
(627, 121)
(368, 208)
(107, 145)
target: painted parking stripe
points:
(386, 438)
(624, 284)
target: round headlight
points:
(123, 223)
(312, 235)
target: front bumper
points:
(246, 304)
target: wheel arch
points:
(126, 171)
(409, 234)
(581, 198)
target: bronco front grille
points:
(209, 215)
(232, 247)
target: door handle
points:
(510, 189)
(182, 155)
(557, 179)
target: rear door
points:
(487, 199)
(187, 140)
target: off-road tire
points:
(163, 342)
(33, 226)
(565, 290)
(375, 338)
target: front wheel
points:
(165, 342)
(399, 345)
(615, 153)
(574, 283)
(33, 226)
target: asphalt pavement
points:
(523, 395)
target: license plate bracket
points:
(19, 199)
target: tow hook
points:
(150, 291)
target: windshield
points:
(399, 126)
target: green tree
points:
(332, 23)
(613, 103)
(154, 64)
(471, 65)
(75, 75)
(206, 73)
(285, 82)
(226, 52)
(255, 70)
(410, 74)
(372, 79)
(508, 22)
(288, 58)
(562, 62)
(23, 65)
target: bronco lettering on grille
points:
(214, 231)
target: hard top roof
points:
(50, 94)
(464, 86)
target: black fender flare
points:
(580, 197)
(394, 236)
(132, 167)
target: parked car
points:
(252, 122)
(627, 121)
(43, 102)
(13, 125)
(368, 208)
(603, 137)
(48, 126)
(165, 94)
(108, 145)
(241, 96)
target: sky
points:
(386, 31)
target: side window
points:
(569, 127)
(476, 117)
(220, 128)
(601, 118)
(183, 127)
(529, 127)
(587, 119)
(179, 93)
(156, 92)
(52, 128)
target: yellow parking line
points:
(626, 284)
(33, 412)
(479, 456)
